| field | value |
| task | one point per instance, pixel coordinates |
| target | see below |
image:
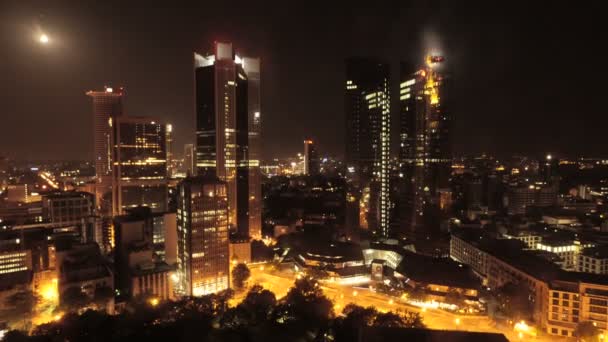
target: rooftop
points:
(599, 252)
(439, 271)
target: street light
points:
(43, 39)
(154, 302)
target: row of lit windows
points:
(13, 255)
(13, 270)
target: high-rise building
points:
(139, 164)
(425, 150)
(189, 160)
(107, 106)
(311, 159)
(73, 208)
(252, 69)
(227, 131)
(169, 149)
(367, 106)
(202, 236)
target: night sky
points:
(526, 79)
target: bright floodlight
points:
(44, 39)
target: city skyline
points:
(441, 191)
(529, 103)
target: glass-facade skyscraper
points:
(139, 164)
(227, 131)
(107, 106)
(367, 106)
(425, 151)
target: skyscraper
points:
(189, 160)
(169, 149)
(202, 236)
(139, 164)
(252, 68)
(227, 131)
(107, 106)
(425, 149)
(367, 106)
(311, 159)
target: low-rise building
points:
(593, 260)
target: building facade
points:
(425, 155)
(202, 236)
(107, 106)
(139, 164)
(227, 131)
(367, 109)
(311, 159)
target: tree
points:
(240, 275)
(389, 320)
(586, 330)
(305, 301)
(259, 302)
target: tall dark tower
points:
(367, 106)
(425, 148)
(227, 130)
(311, 158)
(107, 106)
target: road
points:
(281, 282)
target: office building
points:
(81, 266)
(73, 208)
(139, 164)
(593, 260)
(140, 269)
(202, 236)
(522, 196)
(15, 258)
(367, 107)
(107, 106)
(425, 151)
(311, 159)
(252, 69)
(169, 149)
(189, 160)
(227, 131)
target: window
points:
(554, 316)
(564, 332)
(565, 296)
(597, 309)
(565, 303)
(554, 309)
(600, 302)
(554, 330)
(555, 295)
(555, 302)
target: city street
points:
(281, 282)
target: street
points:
(280, 283)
